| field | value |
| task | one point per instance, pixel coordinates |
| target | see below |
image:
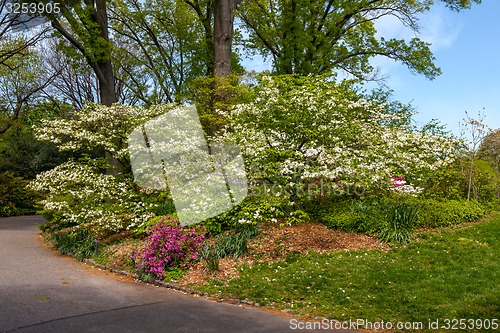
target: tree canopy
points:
(318, 37)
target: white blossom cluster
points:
(80, 194)
(317, 130)
(97, 126)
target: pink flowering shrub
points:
(400, 186)
(169, 245)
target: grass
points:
(449, 274)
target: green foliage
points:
(210, 257)
(490, 149)
(161, 56)
(401, 221)
(228, 244)
(22, 154)
(15, 197)
(212, 93)
(82, 23)
(446, 182)
(297, 216)
(369, 214)
(486, 181)
(231, 245)
(78, 242)
(366, 215)
(160, 204)
(22, 77)
(436, 213)
(254, 209)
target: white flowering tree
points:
(100, 127)
(308, 133)
(77, 192)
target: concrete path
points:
(41, 291)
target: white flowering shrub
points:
(79, 193)
(307, 135)
(96, 126)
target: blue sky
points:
(467, 49)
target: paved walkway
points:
(41, 291)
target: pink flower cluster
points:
(169, 245)
(398, 181)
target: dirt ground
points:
(275, 242)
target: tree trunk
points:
(106, 80)
(107, 91)
(107, 95)
(223, 36)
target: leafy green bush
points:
(297, 217)
(15, 197)
(207, 100)
(25, 156)
(164, 208)
(400, 223)
(369, 215)
(446, 182)
(78, 242)
(486, 181)
(358, 215)
(436, 213)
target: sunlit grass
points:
(451, 274)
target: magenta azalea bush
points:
(169, 245)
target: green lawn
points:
(445, 275)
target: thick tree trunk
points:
(108, 97)
(107, 92)
(223, 36)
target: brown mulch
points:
(275, 242)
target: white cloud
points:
(391, 27)
(441, 27)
